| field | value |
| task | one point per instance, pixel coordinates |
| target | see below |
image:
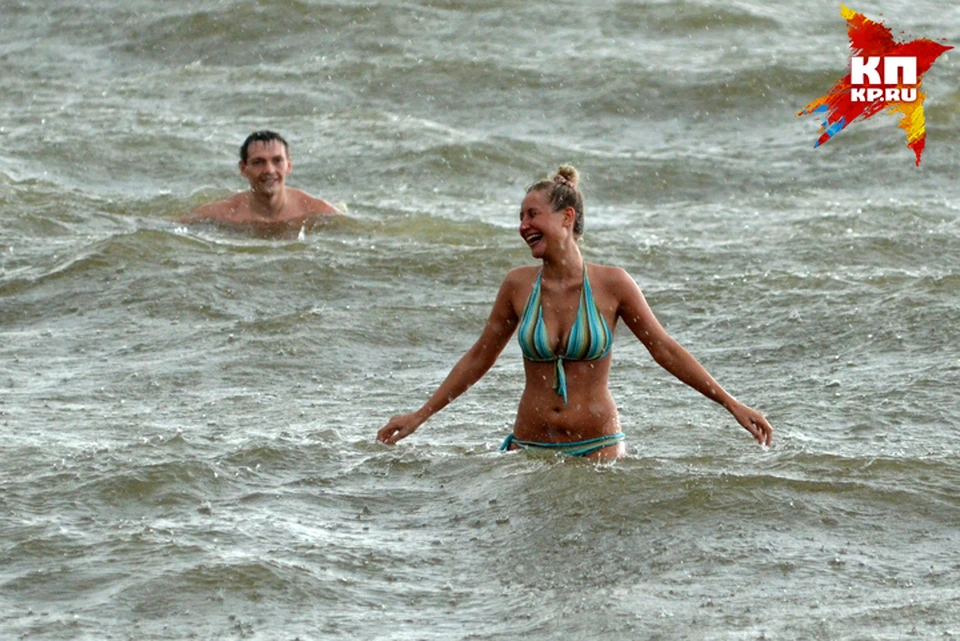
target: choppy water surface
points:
(188, 414)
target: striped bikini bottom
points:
(576, 448)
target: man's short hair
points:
(264, 136)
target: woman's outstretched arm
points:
(670, 355)
(469, 369)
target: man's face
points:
(266, 167)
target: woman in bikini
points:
(566, 310)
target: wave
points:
(686, 18)
(106, 257)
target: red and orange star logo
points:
(874, 84)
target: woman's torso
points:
(589, 410)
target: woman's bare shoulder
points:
(608, 275)
(518, 283)
(523, 274)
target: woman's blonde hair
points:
(563, 191)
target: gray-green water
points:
(188, 415)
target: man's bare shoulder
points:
(225, 210)
(311, 206)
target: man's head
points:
(261, 136)
(265, 162)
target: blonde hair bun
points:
(568, 174)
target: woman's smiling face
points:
(540, 225)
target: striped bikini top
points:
(590, 337)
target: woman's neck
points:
(567, 264)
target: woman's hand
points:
(399, 427)
(754, 422)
